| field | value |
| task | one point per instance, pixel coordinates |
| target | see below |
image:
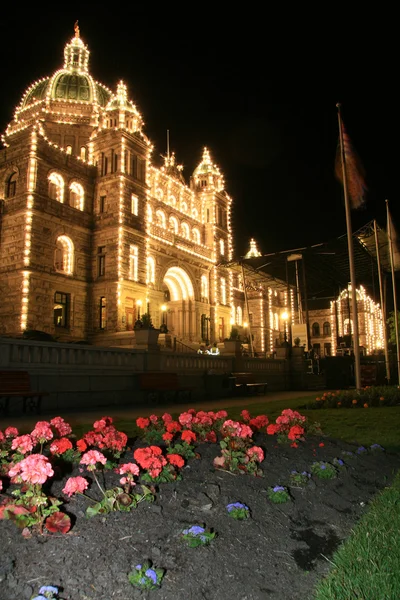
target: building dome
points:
(70, 89)
(207, 175)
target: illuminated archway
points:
(179, 284)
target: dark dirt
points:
(280, 553)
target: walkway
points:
(25, 423)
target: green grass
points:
(367, 566)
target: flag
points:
(393, 242)
(355, 175)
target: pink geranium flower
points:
(11, 432)
(75, 484)
(61, 426)
(32, 469)
(42, 432)
(92, 457)
(255, 453)
(22, 443)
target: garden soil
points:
(279, 553)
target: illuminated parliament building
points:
(94, 234)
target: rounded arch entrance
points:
(179, 300)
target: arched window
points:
(204, 287)
(239, 315)
(149, 214)
(315, 329)
(150, 270)
(64, 255)
(327, 328)
(159, 194)
(184, 207)
(56, 187)
(222, 246)
(276, 322)
(195, 213)
(83, 152)
(185, 231)
(196, 236)
(172, 200)
(173, 224)
(11, 186)
(76, 196)
(160, 218)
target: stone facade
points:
(93, 233)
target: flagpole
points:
(356, 346)
(383, 305)
(396, 323)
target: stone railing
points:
(27, 354)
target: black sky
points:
(259, 89)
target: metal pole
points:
(356, 346)
(299, 307)
(396, 323)
(383, 305)
(248, 313)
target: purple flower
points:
(151, 574)
(138, 567)
(376, 447)
(294, 472)
(236, 505)
(340, 462)
(361, 449)
(39, 598)
(323, 466)
(279, 488)
(48, 588)
(306, 474)
(194, 530)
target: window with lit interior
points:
(185, 231)
(56, 187)
(239, 315)
(64, 255)
(204, 287)
(61, 309)
(315, 329)
(223, 290)
(134, 205)
(76, 196)
(196, 236)
(160, 218)
(133, 262)
(173, 225)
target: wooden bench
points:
(17, 384)
(160, 386)
(246, 382)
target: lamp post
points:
(138, 304)
(285, 316)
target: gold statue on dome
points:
(76, 29)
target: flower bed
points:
(52, 481)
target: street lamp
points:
(285, 317)
(138, 304)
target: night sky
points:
(258, 89)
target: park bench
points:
(163, 387)
(246, 382)
(17, 385)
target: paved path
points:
(25, 423)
